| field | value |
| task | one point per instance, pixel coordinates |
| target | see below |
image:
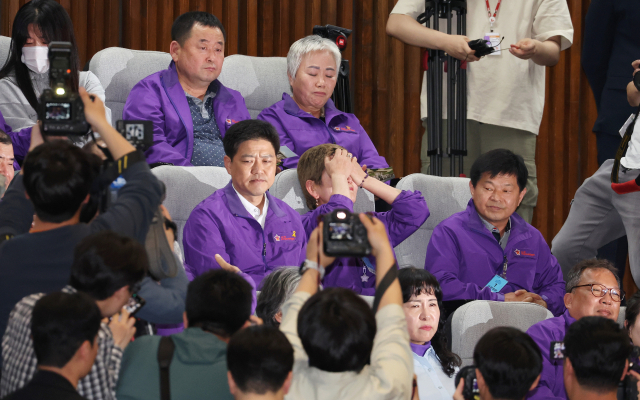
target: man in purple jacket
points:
(593, 289)
(190, 109)
(330, 176)
(488, 252)
(242, 224)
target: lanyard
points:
(494, 17)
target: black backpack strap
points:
(165, 354)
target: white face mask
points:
(36, 58)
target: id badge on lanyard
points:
(493, 37)
(499, 281)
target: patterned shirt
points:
(207, 140)
(19, 360)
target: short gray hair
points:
(310, 44)
(574, 275)
(277, 287)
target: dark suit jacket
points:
(46, 385)
(611, 44)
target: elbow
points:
(392, 26)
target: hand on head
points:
(339, 164)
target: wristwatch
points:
(308, 264)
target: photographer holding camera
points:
(333, 331)
(507, 365)
(54, 184)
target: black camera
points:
(345, 235)
(482, 47)
(61, 109)
(335, 33)
(470, 389)
(138, 133)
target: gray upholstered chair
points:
(621, 316)
(5, 45)
(474, 319)
(287, 188)
(444, 197)
(186, 188)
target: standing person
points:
(505, 90)
(26, 73)
(190, 109)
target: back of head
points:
(575, 273)
(60, 323)
(57, 178)
(500, 162)
(219, 302)
(632, 311)
(54, 24)
(105, 262)
(337, 329)
(276, 288)
(250, 129)
(509, 361)
(311, 166)
(181, 28)
(259, 359)
(597, 349)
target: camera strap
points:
(622, 149)
(113, 171)
(165, 355)
(388, 279)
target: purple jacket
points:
(160, 98)
(408, 213)
(221, 225)
(464, 256)
(551, 384)
(300, 131)
(21, 141)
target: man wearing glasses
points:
(593, 289)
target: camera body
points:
(470, 390)
(60, 109)
(344, 235)
(137, 132)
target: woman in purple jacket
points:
(309, 117)
(330, 177)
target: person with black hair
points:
(218, 305)
(190, 109)
(631, 316)
(242, 225)
(488, 252)
(260, 362)
(7, 158)
(55, 185)
(108, 268)
(276, 289)
(333, 331)
(596, 358)
(25, 75)
(507, 363)
(64, 329)
(592, 289)
(434, 365)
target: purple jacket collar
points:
(518, 225)
(237, 209)
(292, 108)
(420, 349)
(568, 319)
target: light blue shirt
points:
(433, 383)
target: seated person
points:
(65, 336)
(108, 268)
(333, 331)
(309, 117)
(198, 367)
(434, 365)
(596, 358)
(6, 160)
(631, 317)
(593, 289)
(25, 75)
(190, 109)
(243, 224)
(277, 287)
(260, 360)
(507, 364)
(57, 178)
(488, 252)
(330, 178)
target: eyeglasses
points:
(600, 291)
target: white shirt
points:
(433, 383)
(505, 90)
(255, 212)
(631, 158)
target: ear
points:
(185, 321)
(287, 383)
(278, 316)
(233, 388)
(311, 188)
(472, 189)
(291, 79)
(227, 164)
(480, 379)
(86, 199)
(626, 324)
(123, 293)
(568, 300)
(535, 383)
(522, 193)
(26, 195)
(174, 50)
(84, 351)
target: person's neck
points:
(66, 372)
(195, 89)
(42, 226)
(579, 393)
(316, 112)
(257, 201)
(267, 396)
(500, 225)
